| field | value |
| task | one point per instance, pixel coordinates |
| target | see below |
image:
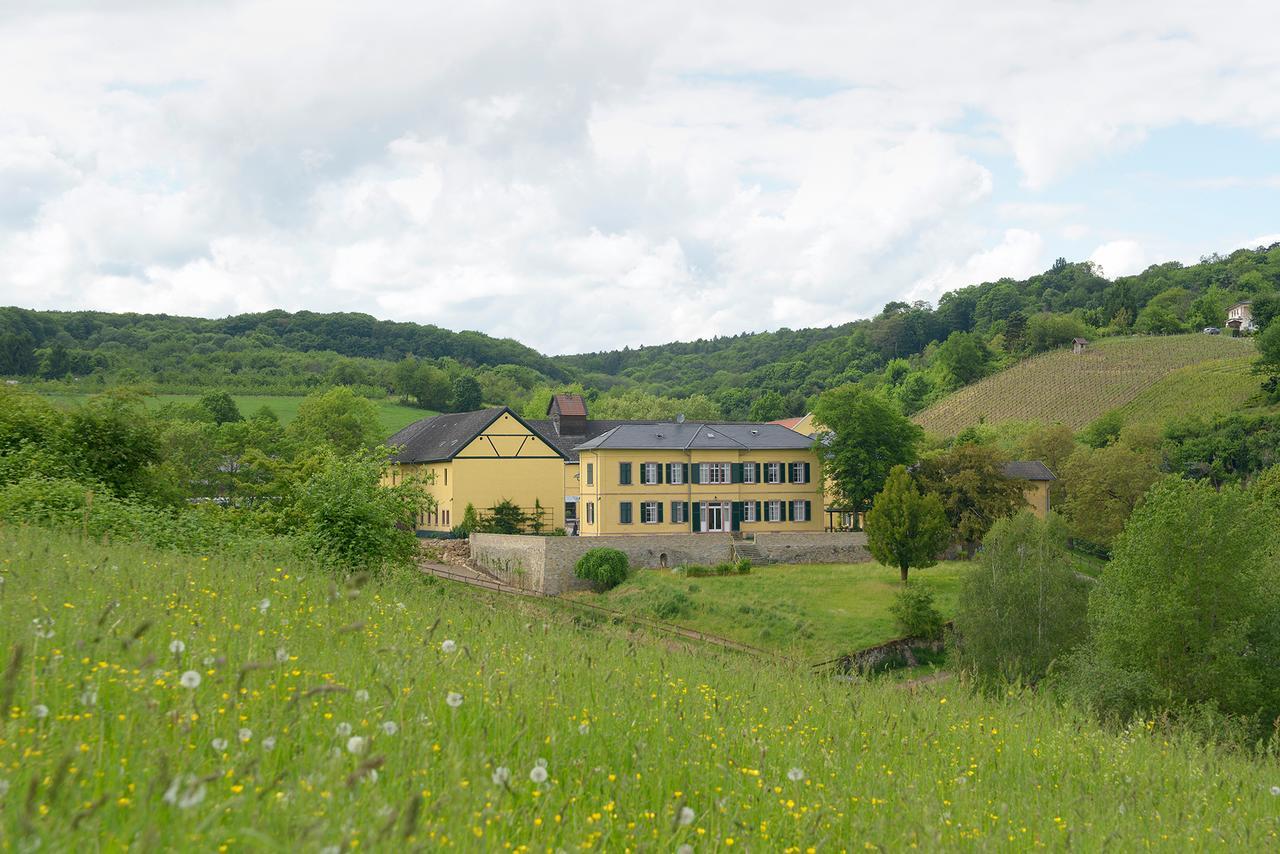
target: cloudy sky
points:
(586, 175)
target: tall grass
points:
(406, 713)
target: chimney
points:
(568, 413)
(680, 418)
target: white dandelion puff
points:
(344, 729)
(89, 697)
(185, 793)
(538, 774)
(362, 696)
(43, 627)
(282, 655)
(177, 647)
(687, 815)
(40, 710)
(501, 775)
(1275, 790)
(795, 775)
(209, 660)
(390, 727)
(269, 743)
(219, 744)
(540, 762)
(454, 699)
(448, 646)
(356, 744)
(584, 728)
(4, 788)
(245, 734)
(372, 776)
(190, 680)
(263, 606)
(685, 849)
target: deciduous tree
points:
(904, 528)
(863, 437)
(970, 481)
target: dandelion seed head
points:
(501, 775)
(540, 762)
(40, 710)
(687, 815)
(209, 660)
(685, 849)
(269, 743)
(282, 655)
(4, 788)
(584, 728)
(454, 699)
(264, 605)
(356, 744)
(448, 646)
(362, 696)
(344, 729)
(190, 680)
(390, 727)
(219, 744)
(244, 734)
(177, 647)
(89, 697)
(538, 774)
(795, 775)
(1275, 790)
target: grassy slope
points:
(393, 415)
(1113, 372)
(808, 612)
(631, 731)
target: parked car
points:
(1212, 330)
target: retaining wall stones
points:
(546, 564)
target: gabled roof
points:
(790, 423)
(682, 436)
(441, 437)
(568, 404)
(567, 444)
(1028, 470)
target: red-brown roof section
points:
(571, 404)
(789, 423)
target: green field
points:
(394, 415)
(810, 613)
(1209, 388)
(1112, 373)
(333, 717)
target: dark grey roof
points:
(672, 435)
(439, 438)
(1028, 470)
(567, 444)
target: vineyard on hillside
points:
(1111, 373)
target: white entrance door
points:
(715, 517)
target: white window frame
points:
(797, 511)
(678, 515)
(749, 511)
(721, 470)
(750, 472)
(652, 473)
(677, 474)
(591, 512)
(797, 473)
(646, 508)
(773, 472)
(773, 511)
(591, 474)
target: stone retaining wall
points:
(546, 564)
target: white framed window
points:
(715, 473)
(797, 511)
(773, 509)
(749, 511)
(678, 513)
(650, 513)
(773, 474)
(591, 473)
(797, 473)
(649, 473)
(591, 512)
(749, 473)
(677, 473)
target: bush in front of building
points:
(915, 613)
(604, 568)
(739, 567)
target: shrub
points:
(505, 517)
(915, 613)
(1022, 606)
(672, 605)
(470, 521)
(693, 570)
(604, 568)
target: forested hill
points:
(915, 353)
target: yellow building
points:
(681, 477)
(1038, 478)
(480, 458)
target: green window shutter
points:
(808, 509)
(695, 516)
(674, 507)
(668, 467)
(735, 472)
(659, 512)
(660, 473)
(684, 467)
(686, 510)
(759, 511)
(791, 511)
(695, 472)
(624, 474)
(624, 512)
(808, 477)
(735, 514)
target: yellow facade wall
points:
(599, 477)
(1036, 495)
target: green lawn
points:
(808, 612)
(394, 415)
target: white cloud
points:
(582, 177)
(1120, 258)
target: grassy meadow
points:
(811, 613)
(160, 701)
(1112, 373)
(393, 415)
